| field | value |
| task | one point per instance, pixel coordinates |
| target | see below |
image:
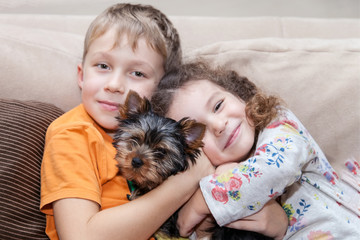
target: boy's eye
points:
(218, 105)
(103, 66)
(138, 74)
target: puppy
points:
(151, 148)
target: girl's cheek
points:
(206, 142)
(209, 150)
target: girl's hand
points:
(271, 221)
(192, 213)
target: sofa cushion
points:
(40, 64)
(318, 78)
(23, 126)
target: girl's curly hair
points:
(260, 108)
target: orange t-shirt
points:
(79, 162)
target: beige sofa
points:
(314, 64)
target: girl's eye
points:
(138, 74)
(218, 105)
(103, 66)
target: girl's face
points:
(229, 134)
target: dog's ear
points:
(134, 104)
(194, 133)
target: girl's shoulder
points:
(285, 117)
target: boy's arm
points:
(138, 219)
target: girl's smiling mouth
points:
(233, 136)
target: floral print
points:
(219, 194)
(274, 150)
(296, 218)
(290, 165)
(229, 188)
(320, 235)
(352, 166)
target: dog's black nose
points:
(136, 162)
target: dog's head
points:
(150, 148)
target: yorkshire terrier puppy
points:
(151, 148)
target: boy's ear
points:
(194, 133)
(80, 75)
(134, 104)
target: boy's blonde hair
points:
(138, 21)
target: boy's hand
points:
(271, 221)
(202, 167)
(192, 213)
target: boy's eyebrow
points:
(102, 54)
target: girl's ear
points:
(80, 75)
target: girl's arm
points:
(196, 210)
(271, 221)
(283, 148)
(138, 219)
(192, 214)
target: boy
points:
(83, 197)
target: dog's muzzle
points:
(136, 162)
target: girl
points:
(275, 156)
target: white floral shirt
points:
(287, 164)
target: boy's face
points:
(229, 135)
(108, 73)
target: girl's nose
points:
(219, 126)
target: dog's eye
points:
(135, 140)
(161, 152)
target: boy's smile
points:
(229, 135)
(109, 106)
(110, 71)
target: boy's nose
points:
(117, 84)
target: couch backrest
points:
(313, 63)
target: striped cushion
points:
(22, 132)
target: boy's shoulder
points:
(76, 117)
(78, 113)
